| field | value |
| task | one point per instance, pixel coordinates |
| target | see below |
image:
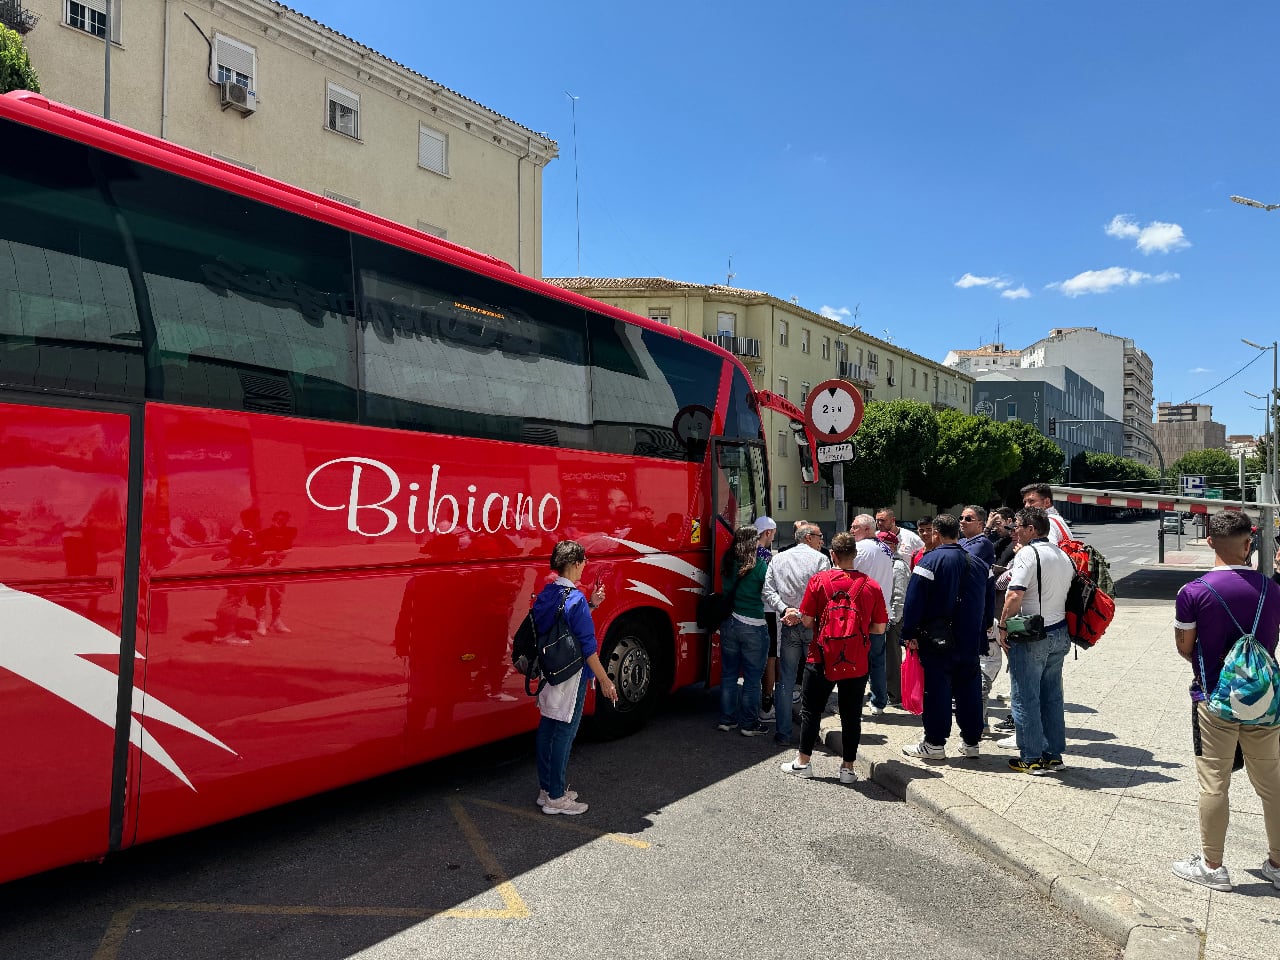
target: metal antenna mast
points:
(577, 203)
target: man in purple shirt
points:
(1203, 628)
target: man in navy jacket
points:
(949, 586)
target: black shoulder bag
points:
(559, 653)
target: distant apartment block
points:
(788, 349)
(1182, 428)
(260, 85)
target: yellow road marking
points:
(514, 909)
(570, 825)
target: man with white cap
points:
(768, 529)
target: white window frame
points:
(430, 135)
(723, 318)
(342, 98)
(782, 443)
(782, 333)
(782, 496)
(804, 339)
(805, 387)
(783, 385)
(229, 54)
(660, 315)
(804, 497)
(93, 6)
(826, 348)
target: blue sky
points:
(1076, 157)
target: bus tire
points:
(633, 658)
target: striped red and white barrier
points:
(1138, 500)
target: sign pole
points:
(838, 470)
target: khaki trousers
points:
(1215, 750)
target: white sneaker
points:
(1195, 870)
(233, 639)
(279, 626)
(877, 711)
(1009, 743)
(570, 808)
(769, 714)
(1271, 873)
(968, 752)
(925, 750)
(795, 696)
(262, 626)
(848, 775)
(797, 770)
(543, 798)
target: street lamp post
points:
(1267, 489)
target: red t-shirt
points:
(866, 594)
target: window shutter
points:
(345, 97)
(235, 56)
(432, 150)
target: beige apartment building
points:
(788, 350)
(263, 86)
(1184, 427)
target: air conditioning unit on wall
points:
(238, 98)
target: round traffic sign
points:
(833, 410)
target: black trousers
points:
(950, 677)
(813, 701)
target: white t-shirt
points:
(1058, 528)
(876, 561)
(908, 544)
(1046, 594)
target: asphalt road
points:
(695, 846)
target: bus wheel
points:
(629, 656)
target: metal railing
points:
(16, 17)
(742, 346)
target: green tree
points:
(1219, 469)
(1107, 471)
(972, 453)
(16, 72)
(894, 434)
(1041, 462)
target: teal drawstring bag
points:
(1247, 687)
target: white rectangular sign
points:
(835, 453)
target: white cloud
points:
(839, 314)
(1156, 237)
(1104, 281)
(1019, 293)
(970, 280)
(1199, 370)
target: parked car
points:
(1171, 523)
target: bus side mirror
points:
(806, 453)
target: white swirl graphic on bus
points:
(440, 512)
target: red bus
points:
(278, 478)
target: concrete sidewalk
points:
(1099, 837)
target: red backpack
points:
(840, 639)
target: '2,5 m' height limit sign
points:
(833, 410)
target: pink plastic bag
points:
(912, 683)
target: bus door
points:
(68, 571)
(739, 494)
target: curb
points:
(1145, 930)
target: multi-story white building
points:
(1114, 364)
(991, 357)
(263, 86)
(788, 350)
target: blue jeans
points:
(792, 644)
(877, 679)
(555, 737)
(743, 650)
(1035, 675)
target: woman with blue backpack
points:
(561, 704)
